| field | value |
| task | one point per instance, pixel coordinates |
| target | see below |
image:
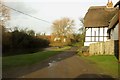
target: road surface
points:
(68, 65)
(64, 65)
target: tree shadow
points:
(15, 52)
(95, 77)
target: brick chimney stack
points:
(109, 4)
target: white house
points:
(96, 23)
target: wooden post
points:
(98, 34)
(119, 42)
(91, 34)
(94, 36)
(119, 34)
(103, 33)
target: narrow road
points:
(66, 65)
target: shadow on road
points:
(94, 77)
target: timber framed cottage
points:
(96, 23)
(101, 25)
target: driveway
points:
(68, 65)
(64, 65)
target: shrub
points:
(17, 40)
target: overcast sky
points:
(49, 10)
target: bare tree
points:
(82, 32)
(4, 15)
(4, 12)
(82, 29)
(63, 27)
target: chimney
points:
(109, 4)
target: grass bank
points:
(29, 59)
(108, 64)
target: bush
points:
(18, 40)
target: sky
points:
(49, 10)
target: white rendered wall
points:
(94, 30)
(114, 34)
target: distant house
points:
(59, 40)
(96, 23)
(55, 40)
(47, 37)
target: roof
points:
(99, 16)
(113, 21)
(117, 4)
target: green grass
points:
(108, 64)
(77, 44)
(62, 49)
(28, 59)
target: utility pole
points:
(119, 32)
(118, 4)
(119, 41)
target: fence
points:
(102, 48)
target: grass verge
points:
(62, 49)
(28, 59)
(108, 64)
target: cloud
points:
(20, 6)
(49, 10)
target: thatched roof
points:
(113, 23)
(114, 20)
(99, 16)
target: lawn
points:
(29, 59)
(62, 49)
(108, 64)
